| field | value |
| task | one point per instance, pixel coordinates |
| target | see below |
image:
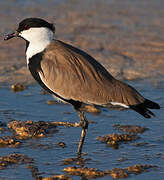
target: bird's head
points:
(31, 29)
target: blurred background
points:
(127, 37)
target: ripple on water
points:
(49, 156)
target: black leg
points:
(84, 125)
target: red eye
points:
(26, 27)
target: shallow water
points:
(31, 105)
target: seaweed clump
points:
(61, 144)
(14, 159)
(85, 172)
(76, 160)
(130, 129)
(17, 87)
(8, 141)
(116, 173)
(114, 140)
(57, 177)
(29, 129)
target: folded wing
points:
(73, 74)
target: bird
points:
(73, 76)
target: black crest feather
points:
(35, 22)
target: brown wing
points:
(73, 74)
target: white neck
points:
(38, 38)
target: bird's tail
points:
(144, 107)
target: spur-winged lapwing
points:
(73, 76)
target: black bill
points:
(9, 36)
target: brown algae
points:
(87, 172)
(9, 141)
(61, 144)
(14, 159)
(76, 160)
(57, 177)
(115, 139)
(31, 129)
(116, 173)
(17, 87)
(130, 128)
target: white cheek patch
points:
(37, 34)
(26, 34)
(38, 38)
(119, 104)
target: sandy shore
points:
(125, 36)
